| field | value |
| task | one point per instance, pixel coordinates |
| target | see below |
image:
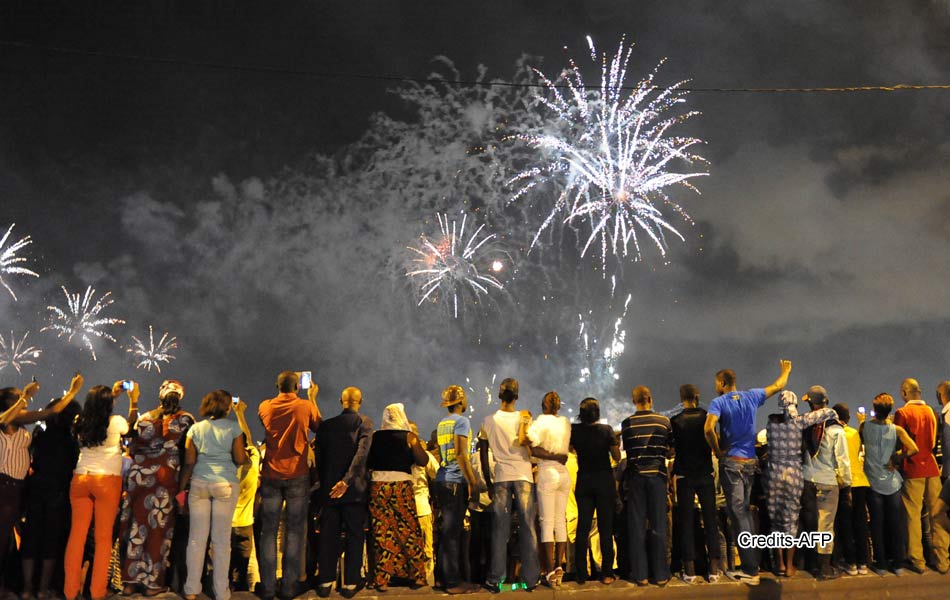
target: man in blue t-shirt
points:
(454, 485)
(734, 446)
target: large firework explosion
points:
(16, 353)
(612, 154)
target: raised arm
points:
(312, 393)
(14, 411)
(779, 384)
(240, 411)
(712, 437)
(32, 416)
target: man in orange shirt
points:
(285, 477)
(921, 477)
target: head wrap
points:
(171, 385)
(394, 417)
(788, 402)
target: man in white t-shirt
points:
(511, 482)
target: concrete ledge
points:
(928, 586)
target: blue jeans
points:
(736, 479)
(274, 492)
(521, 495)
(887, 529)
(646, 500)
(453, 498)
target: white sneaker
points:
(862, 569)
(851, 570)
(690, 579)
(714, 577)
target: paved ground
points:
(928, 586)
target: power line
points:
(429, 80)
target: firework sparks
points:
(153, 354)
(448, 265)
(9, 261)
(16, 353)
(613, 157)
(81, 318)
(602, 352)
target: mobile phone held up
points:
(235, 400)
(305, 379)
(862, 410)
(128, 384)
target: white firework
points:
(9, 261)
(611, 152)
(16, 353)
(448, 266)
(81, 318)
(153, 354)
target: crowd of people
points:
(93, 501)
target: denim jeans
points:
(211, 509)
(274, 492)
(647, 501)
(736, 479)
(520, 496)
(687, 488)
(453, 498)
(887, 529)
(819, 507)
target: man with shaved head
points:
(285, 478)
(921, 477)
(342, 449)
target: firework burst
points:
(448, 266)
(9, 261)
(16, 353)
(81, 318)
(612, 155)
(151, 355)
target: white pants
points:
(211, 509)
(554, 486)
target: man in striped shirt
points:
(647, 440)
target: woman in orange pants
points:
(96, 486)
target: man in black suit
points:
(342, 446)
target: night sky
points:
(261, 214)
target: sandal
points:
(550, 579)
(559, 576)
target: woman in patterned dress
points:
(148, 509)
(398, 546)
(784, 472)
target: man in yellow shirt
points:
(851, 521)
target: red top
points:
(286, 419)
(921, 424)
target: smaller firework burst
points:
(448, 266)
(150, 356)
(81, 318)
(17, 353)
(9, 261)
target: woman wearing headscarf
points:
(398, 545)
(784, 469)
(148, 508)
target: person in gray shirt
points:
(826, 467)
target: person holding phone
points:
(214, 449)
(97, 485)
(148, 515)
(285, 477)
(15, 442)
